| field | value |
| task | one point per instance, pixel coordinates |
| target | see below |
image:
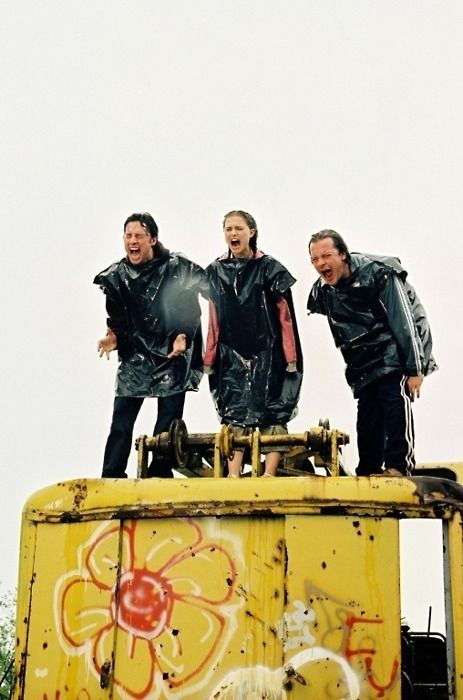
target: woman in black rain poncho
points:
(253, 353)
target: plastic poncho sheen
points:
(148, 306)
(376, 319)
(249, 384)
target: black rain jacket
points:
(376, 319)
(148, 305)
(250, 385)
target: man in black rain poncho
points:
(253, 352)
(380, 326)
(154, 321)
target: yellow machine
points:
(231, 589)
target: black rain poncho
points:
(376, 319)
(148, 306)
(249, 383)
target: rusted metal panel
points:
(115, 498)
(23, 605)
(178, 447)
(214, 608)
(215, 589)
(64, 611)
(343, 607)
(453, 542)
(192, 602)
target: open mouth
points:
(234, 242)
(327, 275)
(135, 255)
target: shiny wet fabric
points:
(249, 383)
(148, 306)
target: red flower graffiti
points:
(163, 618)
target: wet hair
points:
(151, 227)
(146, 220)
(250, 222)
(338, 241)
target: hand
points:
(414, 385)
(107, 344)
(179, 346)
(291, 367)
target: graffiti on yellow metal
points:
(209, 609)
(169, 591)
(351, 645)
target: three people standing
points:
(253, 355)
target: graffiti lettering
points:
(368, 653)
(298, 622)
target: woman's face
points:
(237, 236)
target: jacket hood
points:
(360, 259)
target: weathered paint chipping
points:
(308, 603)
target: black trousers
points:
(119, 442)
(385, 430)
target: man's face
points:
(328, 261)
(138, 243)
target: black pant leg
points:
(119, 441)
(400, 431)
(170, 408)
(370, 431)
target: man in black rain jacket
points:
(154, 321)
(380, 326)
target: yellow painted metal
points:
(142, 458)
(334, 453)
(214, 589)
(62, 611)
(454, 556)
(255, 452)
(343, 606)
(209, 606)
(101, 499)
(26, 576)
(218, 466)
(194, 601)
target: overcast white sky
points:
(310, 114)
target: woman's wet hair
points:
(151, 227)
(250, 222)
(338, 241)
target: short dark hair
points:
(146, 220)
(149, 224)
(250, 221)
(338, 241)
